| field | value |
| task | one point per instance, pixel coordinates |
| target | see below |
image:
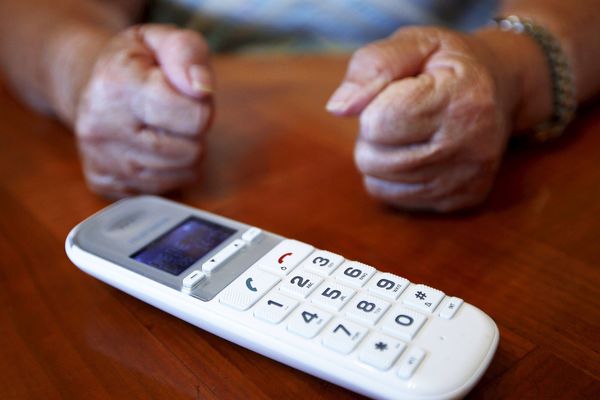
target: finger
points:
(123, 159)
(382, 160)
(159, 105)
(450, 183)
(375, 65)
(405, 112)
(467, 195)
(183, 55)
(115, 186)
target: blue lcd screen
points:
(183, 245)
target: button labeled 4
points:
(307, 321)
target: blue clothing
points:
(314, 24)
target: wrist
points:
(522, 77)
(68, 61)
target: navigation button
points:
(193, 279)
(251, 235)
(225, 254)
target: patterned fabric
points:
(301, 25)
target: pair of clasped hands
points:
(432, 128)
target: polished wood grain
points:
(529, 257)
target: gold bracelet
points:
(564, 102)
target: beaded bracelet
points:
(563, 87)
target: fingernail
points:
(340, 100)
(201, 79)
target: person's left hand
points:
(433, 123)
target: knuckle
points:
(186, 38)
(370, 57)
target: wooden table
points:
(530, 257)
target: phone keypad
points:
(350, 306)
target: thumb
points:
(183, 56)
(372, 67)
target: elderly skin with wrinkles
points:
(436, 107)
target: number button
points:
(367, 309)
(274, 308)
(332, 296)
(322, 262)
(285, 257)
(300, 284)
(307, 321)
(354, 273)
(387, 285)
(248, 289)
(381, 351)
(403, 323)
(343, 336)
(423, 298)
(410, 362)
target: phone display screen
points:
(183, 245)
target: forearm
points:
(522, 64)
(47, 48)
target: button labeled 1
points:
(284, 257)
(274, 308)
(248, 289)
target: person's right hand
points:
(142, 114)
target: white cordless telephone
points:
(369, 331)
